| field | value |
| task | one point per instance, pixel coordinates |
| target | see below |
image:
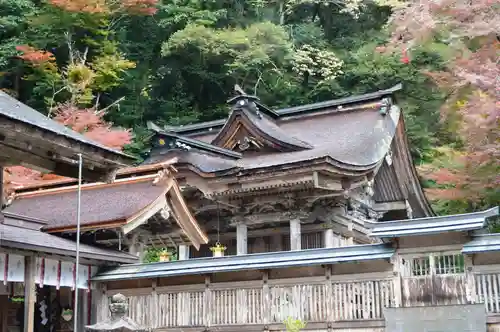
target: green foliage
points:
(153, 254)
(294, 325)
(179, 66)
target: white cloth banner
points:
(67, 274)
(16, 268)
(50, 272)
(83, 277)
(2, 266)
(38, 272)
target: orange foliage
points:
(138, 7)
(471, 78)
(91, 124)
(85, 121)
(33, 55)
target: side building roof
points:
(23, 238)
(127, 203)
(431, 225)
(272, 260)
(51, 146)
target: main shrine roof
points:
(350, 131)
(352, 139)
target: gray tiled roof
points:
(354, 139)
(114, 202)
(431, 225)
(282, 259)
(196, 128)
(269, 127)
(35, 240)
(482, 243)
(15, 110)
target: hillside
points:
(93, 63)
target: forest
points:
(106, 67)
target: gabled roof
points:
(431, 225)
(32, 239)
(126, 203)
(215, 125)
(355, 136)
(270, 260)
(348, 138)
(247, 116)
(21, 120)
(174, 141)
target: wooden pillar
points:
(329, 238)
(207, 303)
(183, 252)
(295, 236)
(29, 293)
(241, 239)
(470, 280)
(276, 243)
(398, 292)
(266, 298)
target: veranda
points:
(425, 268)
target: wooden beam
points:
(29, 293)
(36, 161)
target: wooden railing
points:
(420, 280)
(308, 299)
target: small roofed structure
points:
(143, 206)
(29, 138)
(119, 321)
(22, 233)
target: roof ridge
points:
(86, 186)
(287, 111)
(121, 172)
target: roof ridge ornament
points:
(250, 102)
(243, 100)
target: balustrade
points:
(310, 300)
(425, 279)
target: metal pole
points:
(78, 212)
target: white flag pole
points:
(78, 212)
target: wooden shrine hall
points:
(302, 177)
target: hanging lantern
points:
(165, 256)
(218, 250)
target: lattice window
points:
(438, 264)
(449, 264)
(420, 266)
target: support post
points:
(29, 293)
(183, 252)
(276, 244)
(208, 301)
(470, 281)
(398, 292)
(328, 238)
(241, 239)
(266, 297)
(295, 236)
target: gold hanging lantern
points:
(218, 250)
